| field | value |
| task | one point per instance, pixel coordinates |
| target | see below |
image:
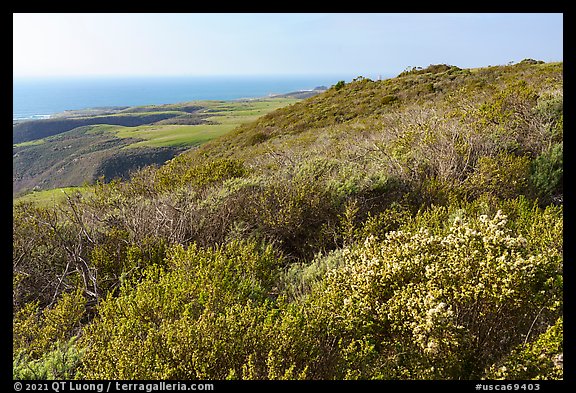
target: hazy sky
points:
(282, 43)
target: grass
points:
(137, 114)
(30, 143)
(51, 197)
(173, 135)
(227, 114)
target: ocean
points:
(37, 98)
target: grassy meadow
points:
(223, 117)
(52, 197)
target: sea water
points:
(37, 98)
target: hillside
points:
(37, 129)
(408, 228)
(77, 147)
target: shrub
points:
(549, 113)
(291, 209)
(299, 278)
(504, 175)
(531, 61)
(444, 305)
(432, 68)
(60, 363)
(507, 117)
(378, 225)
(189, 320)
(41, 249)
(187, 169)
(539, 359)
(546, 174)
(44, 341)
(339, 85)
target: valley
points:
(77, 147)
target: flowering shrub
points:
(446, 305)
(437, 300)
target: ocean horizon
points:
(38, 98)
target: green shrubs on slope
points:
(199, 175)
(193, 320)
(505, 175)
(541, 359)
(356, 238)
(60, 363)
(547, 174)
(44, 342)
(418, 304)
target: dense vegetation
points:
(409, 228)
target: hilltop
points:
(407, 228)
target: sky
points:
(357, 44)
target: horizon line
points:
(262, 75)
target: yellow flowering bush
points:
(447, 304)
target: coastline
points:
(44, 98)
(103, 110)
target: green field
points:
(48, 198)
(227, 115)
(172, 135)
(30, 143)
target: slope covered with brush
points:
(409, 228)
